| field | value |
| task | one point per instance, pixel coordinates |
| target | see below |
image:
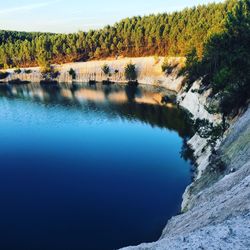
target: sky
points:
(65, 16)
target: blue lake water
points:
(88, 167)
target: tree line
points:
(173, 34)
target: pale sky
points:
(66, 16)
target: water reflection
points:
(81, 169)
(143, 103)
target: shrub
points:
(27, 71)
(168, 67)
(17, 71)
(106, 69)
(207, 130)
(50, 73)
(46, 68)
(4, 75)
(130, 72)
(165, 65)
(72, 73)
(54, 74)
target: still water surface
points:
(88, 167)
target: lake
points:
(89, 167)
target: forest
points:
(173, 34)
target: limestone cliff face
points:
(148, 68)
(216, 206)
(196, 103)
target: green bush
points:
(165, 65)
(50, 74)
(4, 75)
(17, 71)
(168, 67)
(72, 74)
(106, 69)
(130, 72)
(54, 74)
(27, 71)
(208, 130)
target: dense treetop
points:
(172, 34)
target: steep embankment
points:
(148, 69)
(216, 207)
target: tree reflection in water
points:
(141, 103)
